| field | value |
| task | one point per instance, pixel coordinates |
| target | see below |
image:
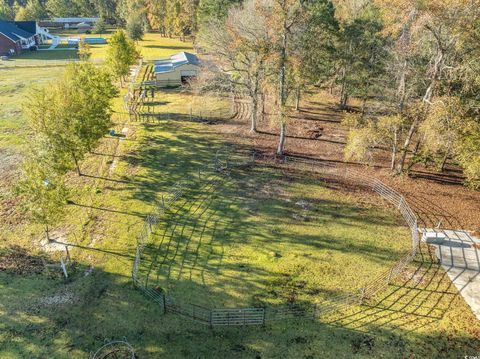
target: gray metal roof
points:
(168, 65)
(13, 32)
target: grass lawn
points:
(46, 55)
(259, 236)
(152, 46)
(17, 83)
(263, 238)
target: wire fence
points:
(262, 315)
(20, 63)
(23, 63)
(142, 105)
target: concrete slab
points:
(461, 260)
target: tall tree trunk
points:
(253, 127)
(281, 142)
(343, 91)
(444, 162)
(408, 140)
(394, 149)
(427, 98)
(282, 98)
(297, 99)
(403, 48)
(401, 87)
(364, 105)
(264, 111)
(254, 95)
(47, 233)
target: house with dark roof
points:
(17, 36)
(177, 69)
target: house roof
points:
(13, 32)
(28, 26)
(168, 65)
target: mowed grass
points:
(16, 85)
(261, 237)
(152, 45)
(284, 235)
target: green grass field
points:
(152, 45)
(17, 84)
(260, 236)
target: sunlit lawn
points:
(152, 45)
(16, 85)
(268, 237)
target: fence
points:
(262, 315)
(21, 63)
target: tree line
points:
(169, 17)
(406, 73)
(66, 121)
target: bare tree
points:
(241, 48)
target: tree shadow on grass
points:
(42, 316)
(185, 240)
(135, 214)
(170, 153)
(420, 296)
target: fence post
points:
(389, 279)
(314, 311)
(414, 238)
(64, 269)
(362, 295)
(164, 304)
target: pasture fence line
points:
(220, 317)
(25, 63)
(219, 164)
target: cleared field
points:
(16, 84)
(259, 238)
(152, 45)
(287, 235)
